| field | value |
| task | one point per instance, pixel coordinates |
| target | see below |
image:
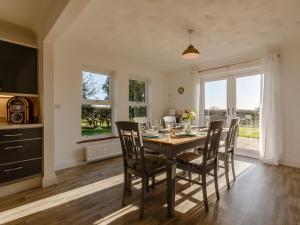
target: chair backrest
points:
(131, 143)
(170, 120)
(232, 134)
(212, 143)
(142, 121)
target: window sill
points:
(97, 139)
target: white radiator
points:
(102, 151)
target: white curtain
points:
(271, 129)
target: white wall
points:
(290, 92)
(181, 79)
(68, 63)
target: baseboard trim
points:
(289, 162)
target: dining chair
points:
(203, 164)
(143, 121)
(170, 120)
(135, 161)
(226, 150)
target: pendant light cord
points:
(190, 32)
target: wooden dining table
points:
(171, 147)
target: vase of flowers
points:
(187, 116)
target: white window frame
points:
(108, 102)
(147, 98)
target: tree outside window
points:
(137, 99)
(96, 105)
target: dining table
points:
(171, 146)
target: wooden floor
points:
(91, 194)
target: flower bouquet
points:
(187, 116)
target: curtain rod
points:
(220, 67)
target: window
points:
(96, 104)
(137, 98)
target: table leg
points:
(171, 186)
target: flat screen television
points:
(18, 68)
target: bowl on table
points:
(151, 133)
(190, 131)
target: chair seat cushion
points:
(153, 163)
(222, 151)
(190, 158)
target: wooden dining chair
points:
(203, 164)
(226, 150)
(142, 121)
(170, 120)
(136, 162)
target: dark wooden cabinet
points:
(18, 69)
(17, 170)
(20, 153)
(21, 150)
(20, 134)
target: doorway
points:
(238, 95)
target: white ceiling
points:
(153, 33)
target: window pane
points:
(137, 111)
(95, 120)
(136, 91)
(248, 90)
(215, 100)
(95, 86)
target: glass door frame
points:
(231, 77)
(202, 100)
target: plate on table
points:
(151, 136)
(183, 134)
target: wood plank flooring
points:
(91, 194)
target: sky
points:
(247, 93)
(99, 80)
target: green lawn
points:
(249, 132)
(95, 132)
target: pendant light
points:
(191, 52)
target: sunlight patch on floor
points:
(62, 198)
(59, 199)
(116, 215)
(185, 206)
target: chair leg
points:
(232, 166)
(144, 183)
(204, 192)
(147, 184)
(216, 182)
(129, 182)
(153, 182)
(125, 188)
(190, 177)
(227, 172)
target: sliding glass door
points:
(235, 96)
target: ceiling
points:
(25, 13)
(153, 33)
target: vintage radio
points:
(19, 110)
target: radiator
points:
(102, 151)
